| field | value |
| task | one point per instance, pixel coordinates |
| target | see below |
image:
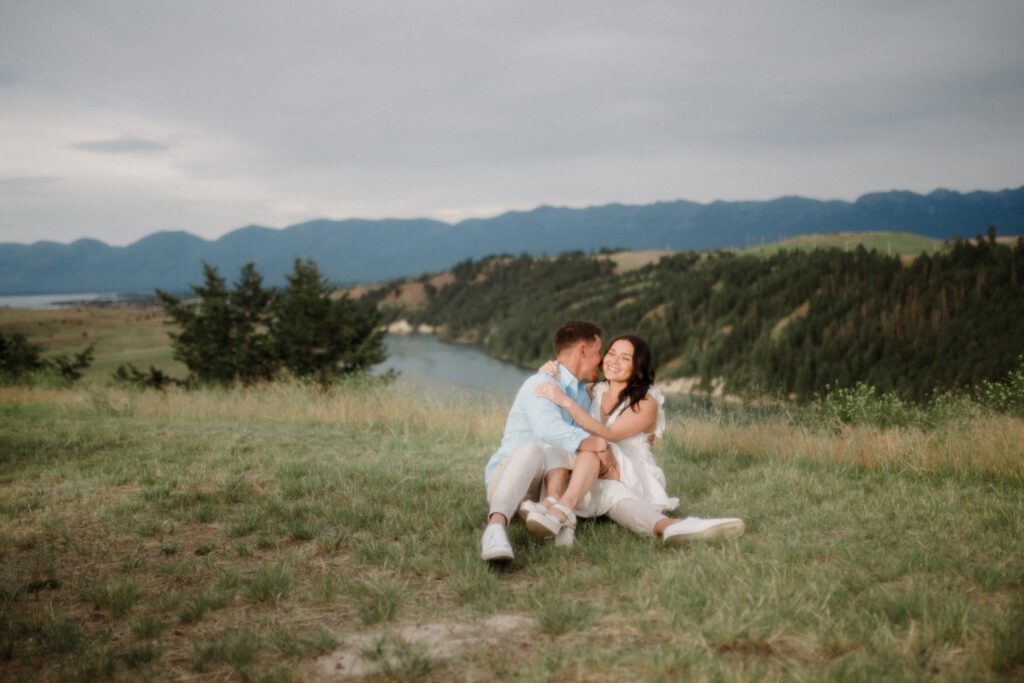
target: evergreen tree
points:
(206, 343)
(251, 309)
(321, 337)
(18, 356)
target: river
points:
(45, 301)
(421, 360)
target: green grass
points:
(242, 535)
(891, 243)
(133, 334)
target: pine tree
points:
(320, 337)
(19, 356)
(206, 341)
(251, 308)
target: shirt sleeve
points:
(549, 424)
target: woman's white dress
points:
(640, 476)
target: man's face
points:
(590, 360)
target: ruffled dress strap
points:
(659, 423)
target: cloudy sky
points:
(118, 119)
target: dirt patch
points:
(390, 649)
(626, 261)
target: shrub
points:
(863, 404)
(1006, 396)
(20, 361)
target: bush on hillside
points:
(154, 379)
(1006, 396)
(22, 361)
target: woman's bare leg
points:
(584, 474)
(555, 482)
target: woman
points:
(626, 409)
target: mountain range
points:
(357, 250)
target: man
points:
(515, 472)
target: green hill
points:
(889, 243)
(785, 324)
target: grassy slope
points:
(132, 334)
(243, 534)
(902, 243)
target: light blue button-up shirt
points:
(541, 421)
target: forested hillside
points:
(789, 324)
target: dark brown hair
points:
(642, 377)
(574, 332)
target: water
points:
(45, 301)
(421, 360)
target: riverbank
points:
(677, 386)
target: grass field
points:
(285, 534)
(129, 334)
(893, 243)
(256, 535)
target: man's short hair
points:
(574, 332)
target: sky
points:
(120, 119)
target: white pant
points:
(520, 476)
(635, 515)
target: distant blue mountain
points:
(356, 250)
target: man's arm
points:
(549, 425)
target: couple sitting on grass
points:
(585, 446)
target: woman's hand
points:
(550, 368)
(553, 393)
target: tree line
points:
(793, 325)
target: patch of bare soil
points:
(388, 649)
(626, 261)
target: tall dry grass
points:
(979, 443)
(387, 408)
(984, 444)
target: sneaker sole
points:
(723, 531)
(498, 556)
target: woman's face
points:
(618, 361)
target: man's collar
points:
(568, 379)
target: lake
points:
(422, 360)
(44, 301)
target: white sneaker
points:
(494, 545)
(697, 529)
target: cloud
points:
(344, 108)
(123, 145)
(26, 185)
